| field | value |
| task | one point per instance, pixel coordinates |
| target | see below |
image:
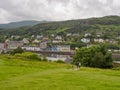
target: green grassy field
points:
(21, 74)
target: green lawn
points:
(17, 74)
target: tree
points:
(44, 58)
(95, 56)
(17, 50)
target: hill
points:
(17, 74)
(21, 24)
(109, 25)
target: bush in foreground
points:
(29, 55)
(95, 56)
(59, 61)
(17, 50)
(44, 58)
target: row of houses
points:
(10, 45)
(99, 40)
(43, 46)
(64, 48)
(60, 39)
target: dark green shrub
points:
(44, 58)
(95, 56)
(33, 56)
(29, 55)
(17, 50)
(60, 61)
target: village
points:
(55, 43)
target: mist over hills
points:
(21, 24)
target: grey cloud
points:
(16, 10)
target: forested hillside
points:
(109, 25)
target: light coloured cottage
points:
(26, 41)
(63, 48)
(85, 40)
(100, 40)
(14, 44)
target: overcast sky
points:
(17, 10)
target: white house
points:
(63, 48)
(98, 34)
(85, 40)
(36, 41)
(31, 48)
(43, 45)
(39, 36)
(33, 36)
(58, 37)
(100, 40)
(14, 44)
(56, 41)
(26, 41)
(75, 34)
(113, 41)
(69, 34)
(87, 34)
(45, 39)
(16, 37)
(52, 35)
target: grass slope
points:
(16, 74)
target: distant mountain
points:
(21, 24)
